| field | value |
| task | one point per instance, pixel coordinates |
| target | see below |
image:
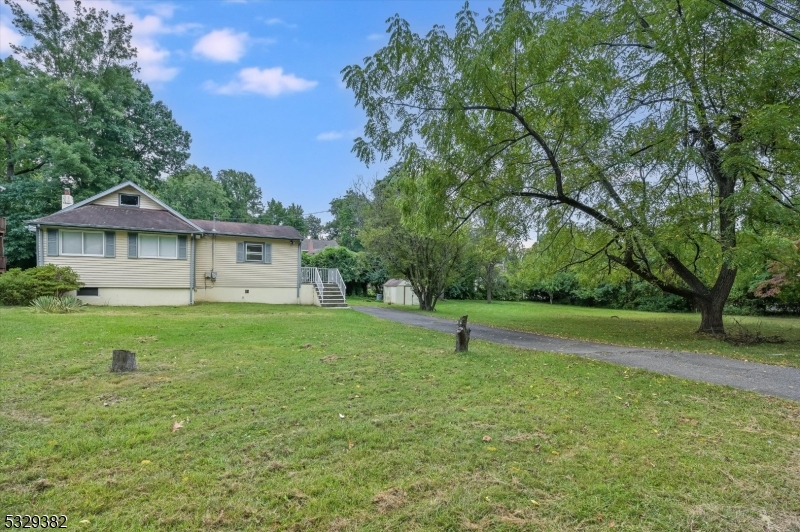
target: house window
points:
(254, 252)
(158, 247)
(81, 243)
(86, 291)
(129, 200)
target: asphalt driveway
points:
(778, 381)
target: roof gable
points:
(139, 189)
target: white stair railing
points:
(335, 277)
(319, 277)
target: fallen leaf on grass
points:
(146, 462)
(341, 416)
(177, 426)
(487, 438)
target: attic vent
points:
(129, 200)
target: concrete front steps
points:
(332, 297)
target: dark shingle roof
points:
(118, 218)
(254, 230)
(319, 245)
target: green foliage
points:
(16, 287)
(47, 304)
(245, 196)
(23, 200)
(57, 305)
(358, 270)
(194, 193)
(430, 258)
(349, 213)
(667, 137)
(314, 227)
(20, 287)
(276, 214)
(73, 108)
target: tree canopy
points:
(72, 108)
(666, 133)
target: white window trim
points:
(139, 245)
(138, 203)
(83, 244)
(263, 251)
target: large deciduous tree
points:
(245, 194)
(666, 131)
(429, 258)
(348, 214)
(194, 193)
(73, 110)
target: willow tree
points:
(668, 131)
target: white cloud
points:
(375, 36)
(330, 135)
(270, 82)
(278, 22)
(8, 37)
(336, 135)
(222, 45)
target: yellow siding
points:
(112, 200)
(122, 272)
(282, 273)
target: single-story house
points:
(399, 292)
(129, 248)
(313, 246)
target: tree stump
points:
(123, 361)
(462, 335)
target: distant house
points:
(129, 248)
(399, 292)
(314, 245)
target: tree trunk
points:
(489, 282)
(123, 361)
(551, 297)
(462, 335)
(711, 316)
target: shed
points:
(399, 292)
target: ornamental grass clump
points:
(57, 305)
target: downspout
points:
(192, 253)
(299, 263)
(39, 246)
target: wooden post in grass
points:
(462, 335)
(123, 361)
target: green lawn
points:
(630, 327)
(297, 418)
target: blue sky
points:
(258, 83)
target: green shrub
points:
(20, 287)
(57, 305)
(16, 287)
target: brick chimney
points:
(66, 199)
(310, 246)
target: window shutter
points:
(267, 253)
(133, 245)
(182, 247)
(111, 244)
(240, 252)
(52, 242)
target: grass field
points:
(251, 417)
(630, 327)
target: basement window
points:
(86, 291)
(129, 200)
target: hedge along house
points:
(129, 248)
